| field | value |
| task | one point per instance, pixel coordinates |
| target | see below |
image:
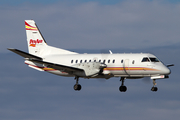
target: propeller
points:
(170, 65)
(104, 55)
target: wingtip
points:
(11, 49)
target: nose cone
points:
(166, 70)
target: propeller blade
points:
(170, 65)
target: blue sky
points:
(17, 2)
(128, 26)
(107, 2)
(143, 23)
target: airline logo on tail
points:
(29, 27)
(33, 43)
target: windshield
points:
(145, 59)
(151, 59)
(154, 59)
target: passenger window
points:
(133, 62)
(76, 61)
(121, 61)
(145, 59)
(85, 61)
(94, 60)
(99, 60)
(104, 61)
(71, 61)
(81, 61)
(154, 60)
(113, 61)
(108, 61)
(89, 60)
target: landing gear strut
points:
(122, 88)
(77, 87)
(154, 89)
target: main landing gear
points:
(154, 89)
(77, 87)
(122, 88)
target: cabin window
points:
(85, 61)
(108, 61)
(145, 59)
(94, 60)
(76, 61)
(113, 61)
(71, 61)
(133, 62)
(99, 60)
(104, 61)
(154, 59)
(89, 60)
(81, 61)
(121, 61)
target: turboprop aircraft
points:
(62, 62)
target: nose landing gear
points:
(154, 89)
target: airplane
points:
(66, 63)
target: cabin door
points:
(126, 67)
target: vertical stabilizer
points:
(36, 43)
(35, 40)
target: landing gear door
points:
(126, 67)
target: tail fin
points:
(37, 44)
(35, 39)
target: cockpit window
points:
(145, 59)
(154, 59)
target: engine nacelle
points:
(90, 69)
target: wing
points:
(81, 69)
(36, 59)
(63, 68)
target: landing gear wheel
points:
(154, 89)
(122, 88)
(77, 87)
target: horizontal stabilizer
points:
(24, 54)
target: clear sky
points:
(89, 26)
(10, 2)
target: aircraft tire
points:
(77, 87)
(154, 89)
(122, 88)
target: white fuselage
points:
(118, 65)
